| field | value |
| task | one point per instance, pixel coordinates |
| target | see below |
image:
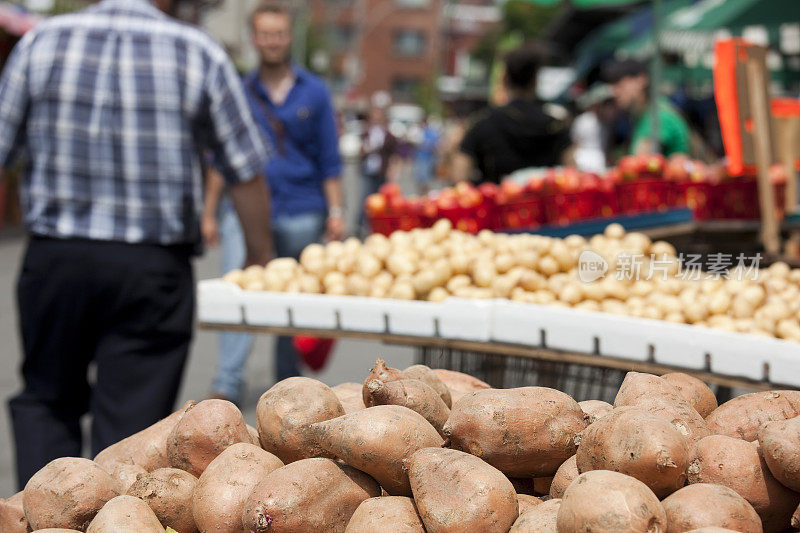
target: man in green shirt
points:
(630, 83)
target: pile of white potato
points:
(433, 264)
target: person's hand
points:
(209, 229)
(336, 229)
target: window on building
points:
(405, 88)
(412, 3)
(409, 43)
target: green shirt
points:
(673, 132)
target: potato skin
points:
(742, 417)
(147, 449)
(456, 491)
(411, 393)
(707, 505)
(308, 495)
(285, 412)
(377, 440)
(595, 409)
(526, 501)
(602, 501)
(56, 530)
(694, 391)
(125, 514)
(169, 493)
(429, 377)
(539, 519)
(459, 383)
(203, 433)
(564, 476)
(126, 474)
(523, 432)
(12, 515)
(737, 464)
(381, 372)
(638, 444)
(780, 446)
(349, 395)
(654, 395)
(386, 513)
(67, 493)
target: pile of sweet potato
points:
(420, 450)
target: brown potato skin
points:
(456, 491)
(125, 514)
(595, 409)
(349, 395)
(56, 530)
(654, 395)
(126, 474)
(459, 383)
(707, 505)
(226, 484)
(12, 515)
(602, 501)
(780, 446)
(377, 440)
(694, 391)
(306, 496)
(411, 393)
(67, 493)
(796, 518)
(737, 464)
(523, 432)
(638, 444)
(539, 519)
(147, 449)
(254, 438)
(285, 412)
(526, 501)
(742, 417)
(169, 493)
(429, 377)
(564, 476)
(386, 513)
(380, 372)
(712, 529)
(203, 433)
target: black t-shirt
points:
(518, 135)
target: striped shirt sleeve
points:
(14, 100)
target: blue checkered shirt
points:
(114, 108)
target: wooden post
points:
(787, 132)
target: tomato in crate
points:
(647, 195)
(698, 197)
(524, 211)
(389, 214)
(565, 208)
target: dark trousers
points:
(126, 308)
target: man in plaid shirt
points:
(114, 108)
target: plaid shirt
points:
(114, 107)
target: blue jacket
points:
(307, 153)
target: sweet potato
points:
(125, 475)
(539, 519)
(387, 513)
(429, 377)
(796, 518)
(743, 416)
(147, 449)
(541, 485)
(12, 515)
(603, 501)
(713, 529)
(203, 433)
(595, 409)
(706, 505)
(169, 493)
(456, 491)
(377, 440)
(254, 438)
(226, 484)
(285, 413)
(526, 501)
(125, 514)
(654, 395)
(459, 383)
(780, 446)
(56, 530)
(737, 464)
(638, 444)
(411, 393)
(694, 391)
(564, 476)
(349, 395)
(380, 372)
(308, 495)
(523, 432)
(67, 493)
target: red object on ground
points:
(313, 351)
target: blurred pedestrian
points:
(589, 132)
(518, 135)
(112, 106)
(427, 154)
(630, 85)
(379, 151)
(294, 109)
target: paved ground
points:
(351, 361)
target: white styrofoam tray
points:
(219, 302)
(465, 319)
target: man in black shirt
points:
(518, 135)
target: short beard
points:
(276, 64)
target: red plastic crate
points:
(527, 211)
(698, 197)
(566, 208)
(737, 199)
(647, 195)
(388, 223)
(470, 219)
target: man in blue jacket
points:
(293, 108)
